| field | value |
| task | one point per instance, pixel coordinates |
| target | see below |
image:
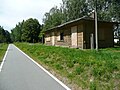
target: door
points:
(53, 38)
(74, 36)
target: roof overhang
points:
(77, 20)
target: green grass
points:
(86, 68)
(3, 48)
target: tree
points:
(7, 36)
(69, 10)
(4, 36)
(74, 9)
(31, 30)
(107, 10)
(16, 33)
(53, 18)
(12, 36)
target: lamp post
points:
(96, 26)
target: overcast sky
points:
(14, 11)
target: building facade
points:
(80, 33)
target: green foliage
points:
(79, 70)
(58, 66)
(75, 9)
(27, 31)
(7, 36)
(53, 18)
(107, 10)
(31, 30)
(70, 64)
(4, 36)
(88, 69)
(92, 86)
(16, 33)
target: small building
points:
(80, 33)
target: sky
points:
(14, 11)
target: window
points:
(61, 36)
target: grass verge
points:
(3, 48)
(83, 68)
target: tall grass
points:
(3, 48)
(86, 68)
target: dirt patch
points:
(115, 50)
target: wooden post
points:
(92, 41)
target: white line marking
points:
(3, 61)
(45, 70)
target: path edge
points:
(3, 60)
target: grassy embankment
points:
(3, 48)
(88, 69)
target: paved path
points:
(20, 73)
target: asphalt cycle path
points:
(19, 72)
